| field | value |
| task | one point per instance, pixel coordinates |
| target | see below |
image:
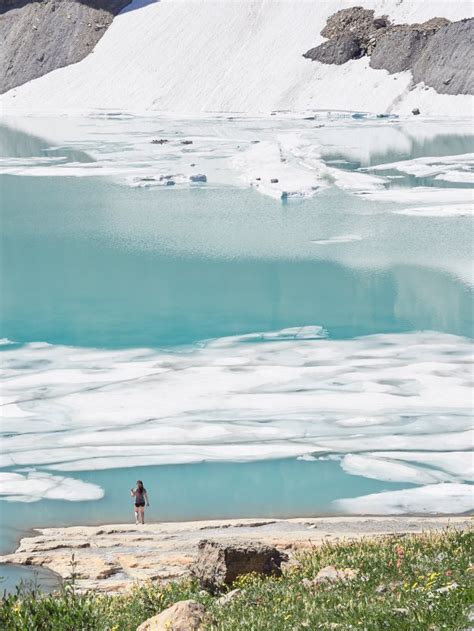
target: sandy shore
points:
(112, 557)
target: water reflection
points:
(17, 144)
(14, 577)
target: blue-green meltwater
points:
(242, 355)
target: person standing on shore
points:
(141, 497)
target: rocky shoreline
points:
(111, 558)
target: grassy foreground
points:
(412, 583)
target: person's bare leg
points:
(142, 514)
(136, 516)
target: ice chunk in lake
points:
(432, 499)
(38, 485)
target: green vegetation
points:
(411, 583)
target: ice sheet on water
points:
(448, 210)
(391, 471)
(429, 166)
(4, 341)
(465, 177)
(281, 156)
(291, 333)
(342, 238)
(445, 498)
(459, 464)
(422, 195)
(37, 485)
(290, 393)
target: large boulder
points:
(185, 615)
(446, 62)
(219, 563)
(336, 51)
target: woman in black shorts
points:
(141, 497)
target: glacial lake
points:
(244, 356)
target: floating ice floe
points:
(428, 166)
(342, 238)
(278, 169)
(286, 157)
(447, 498)
(463, 177)
(36, 485)
(422, 195)
(458, 464)
(168, 180)
(356, 181)
(391, 471)
(447, 210)
(4, 341)
(291, 333)
(257, 396)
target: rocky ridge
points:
(435, 51)
(43, 35)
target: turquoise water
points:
(436, 145)
(273, 488)
(110, 266)
(90, 263)
(13, 577)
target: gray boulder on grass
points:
(185, 615)
(218, 564)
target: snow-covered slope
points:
(234, 55)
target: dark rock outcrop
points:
(408, 43)
(446, 63)
(337, 51)
(40, 36)
(437, 52)
(219, 563)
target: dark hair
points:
(140, 485)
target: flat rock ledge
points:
(113, 558)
